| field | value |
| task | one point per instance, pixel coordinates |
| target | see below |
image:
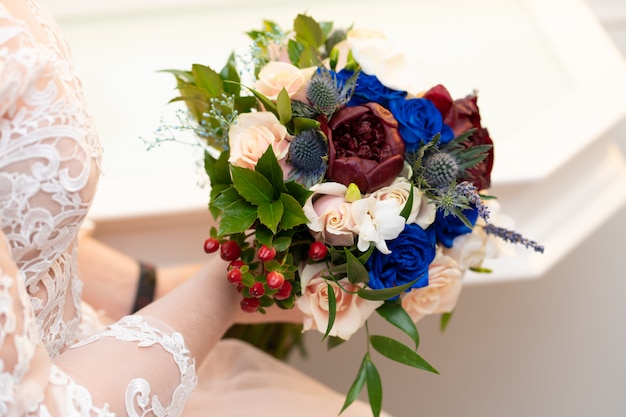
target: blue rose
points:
(369, 89)
(419, 121)
(446, 228)
(411, 254)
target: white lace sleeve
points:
(136, 367)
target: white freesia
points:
(276, 75)
(422, 213)
(441, 293)
(351, 310)
(376, 221)
(330, 216)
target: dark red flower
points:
(365, 147)
(462, 115)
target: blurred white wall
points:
(550, 347)
(553, 346)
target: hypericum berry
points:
(238, 263)
(257, 290)
(318, 251)
(266, 253)
(230, 250)
(275, 280)
(211, 245)
(250, 305)
(234, 276)
(284, 292)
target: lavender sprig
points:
(469, 190)
(513, 237)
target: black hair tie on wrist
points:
(145, 287)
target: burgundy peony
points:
(365, 147)
(462, 115)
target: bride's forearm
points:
(202, 308)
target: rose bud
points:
(462, 115)
(365, 147)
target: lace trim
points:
(139, 401)
(15, 393)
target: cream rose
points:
(351, 310)
(422, 213)
(276, 75)
(252, 134)
(378, 56)
(330, 216)
(441, 293)
(470, 250)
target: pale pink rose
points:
(278, 52)
(351, 310)
(441, 293)
(422, 213)
(330, 216)
(252, 134)
(275, 76)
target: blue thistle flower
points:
(322, 92)
(308, 155)
(440, 169)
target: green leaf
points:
(245, 104)
(357, 385)
(283, 107)
(264, 235)
(226, 198)
(268, 166)
(445, 319)
(237, 218)
(481, 270)
(298, 192)
(333, 342)
(355, 269)
(309, 58)
(394, 313)
(300, 124)
(266, 102)
(252, 186)
(217, 169)
(308, 30)
(332, 309)
(398, 352)
(207, 79)
(294, 50)
(216, 191)
(385, 293)
(270, 214)
(408, 207)
(230, 72)
(282, 243)
(183, 75)
(293, 215)
(374, 388)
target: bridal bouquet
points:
(341, 188)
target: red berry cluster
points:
(262, 281)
